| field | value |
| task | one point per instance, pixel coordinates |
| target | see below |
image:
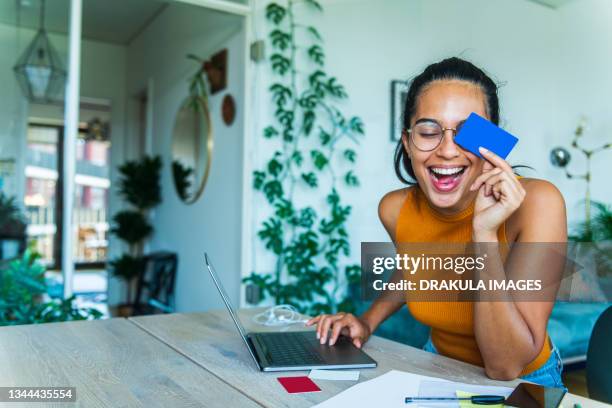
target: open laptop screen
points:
(225, 296)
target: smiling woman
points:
(458, 197)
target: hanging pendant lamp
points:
(39, 70)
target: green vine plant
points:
(313, 156)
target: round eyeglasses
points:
(427, 136)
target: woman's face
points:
(446, 173)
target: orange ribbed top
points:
(452, 323)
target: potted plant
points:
(139, 186)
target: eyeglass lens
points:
(428, 135)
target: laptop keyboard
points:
(292, 349)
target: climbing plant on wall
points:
(311, 156)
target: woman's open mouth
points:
(446, 179)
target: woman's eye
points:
(429, 134)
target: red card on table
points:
(295, 385)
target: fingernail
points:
(318, 335)
(482, 150)
(323, 340)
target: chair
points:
(599, 359)
(155, 287)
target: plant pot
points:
(125, 310)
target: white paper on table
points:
(336, 375)
(391, 389)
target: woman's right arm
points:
(360, 328)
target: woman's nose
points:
(448, 148)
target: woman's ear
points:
(405, 142)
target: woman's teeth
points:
(446, 171)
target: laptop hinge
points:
(257, 351)
(263, 357)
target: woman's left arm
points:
(510, 334)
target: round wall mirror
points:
(191, 148)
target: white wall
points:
(554, 65)
(585, 89)
(213, 222)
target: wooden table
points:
(111, 363)
(183, 360)
(211, 340)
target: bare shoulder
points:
(389, 208)
(542, 214)
(541, 193)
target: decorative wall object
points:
(311, 144)
(40, 71)
(192, 141)
(228, 109)
(561, 157)
(399, 91)
(216, 70)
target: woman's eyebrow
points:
(425, 120)
(421, 120)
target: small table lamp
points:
(560, 157)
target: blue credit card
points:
(477, 132)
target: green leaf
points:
(315, 4)
(275, 167)
(270, 132)
(273, 189)
(308, 121)
(309, 100)
(318, 159)
(316, 54)
(280, 64)
(288, 134)
(280, 39)
(131, 226)
(280, 94)
(306, 218)
(310, 179)
(316, 81)
(352, 274)
(350, 155)
(258, 179)
(315, 33)
(335, 89)
(351, 179)
(139, 182)
(127, 267)
(297, 157)
(324, 136)
(285, 117)
(356, 125)
(284, 209)
(272, 235)
(275, 13)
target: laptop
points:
(293, 351)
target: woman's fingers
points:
(338, 327)
(494, 159)
(332, 326)
(484, 177)
(313, 320)
(324, 326)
